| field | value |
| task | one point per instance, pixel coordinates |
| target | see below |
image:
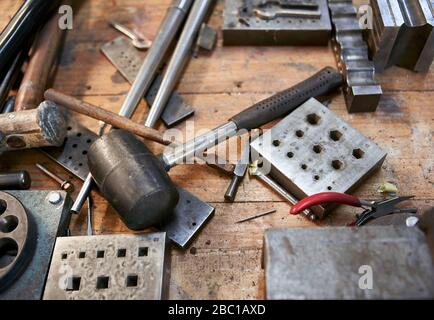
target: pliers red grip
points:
(326, 197)
(375, 209)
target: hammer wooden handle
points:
(105, 116)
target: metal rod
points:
(198, 145)
(64, 184)
(179, 59)
(89, 216)
(82, 195)
(8, 106)
(167, 31)
(49, 173)
(31, 15)
(10, 77)
(265, 213)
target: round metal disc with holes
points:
(16, 239)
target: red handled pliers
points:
(374, 210)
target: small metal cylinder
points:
(231, 192)
(18, 180)
(132, 179)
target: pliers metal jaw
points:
(383, 208)
(373, 209)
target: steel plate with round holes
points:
(16, 237)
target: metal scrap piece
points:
(402, 34)
(109, 267)
(190, 216)
(207, 37)
(362, 92)
(73, 154)
(176, 109)
(267, 22)
(128, 61)
(312, 150)
(50, 221)
(332, 263)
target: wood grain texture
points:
(225, 260)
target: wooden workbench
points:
(224, 262)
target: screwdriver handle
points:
(286, 101)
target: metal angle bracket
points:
(109, 267)
(49, 212)
(128, 61)
(362, 92)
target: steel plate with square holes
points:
(73, 154)
(312, 150)
(109, 267)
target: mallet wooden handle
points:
(105, 116)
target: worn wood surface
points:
(224, 262)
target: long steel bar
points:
(179, 59)
(168, 29)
